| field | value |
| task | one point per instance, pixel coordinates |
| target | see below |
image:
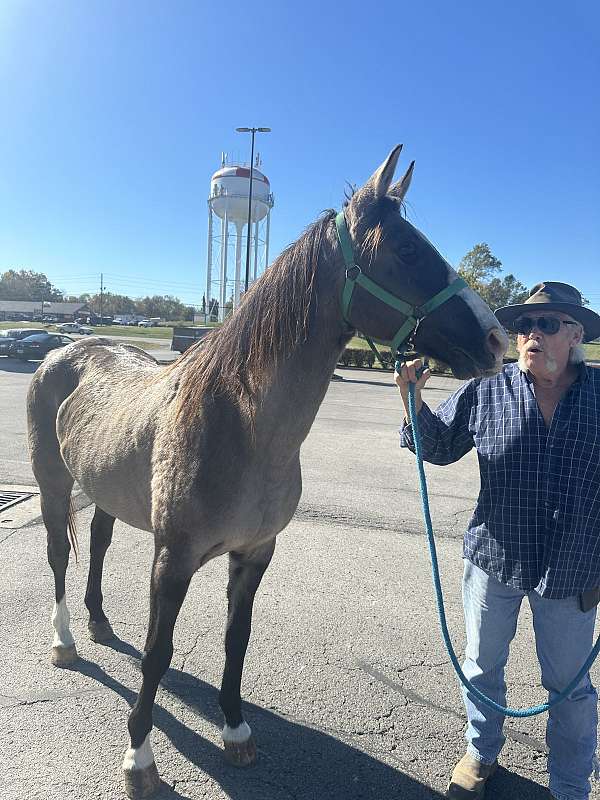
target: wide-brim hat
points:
(554, 296)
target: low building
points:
(21, 310)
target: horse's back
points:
(89, 411)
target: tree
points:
(112, 304)
(506, 292)
(27, 285)
(163, 306)
(480, 268)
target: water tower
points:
(228, 231)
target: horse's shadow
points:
(295, 760)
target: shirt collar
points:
(583, 373)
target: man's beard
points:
(549, 363)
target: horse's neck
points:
(299, 383)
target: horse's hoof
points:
(240, 754)
(64, 656)
(100, 632)
(141, 782)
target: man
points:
(535, 531)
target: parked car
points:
(9, 336)
(39, 345)
(74, 327)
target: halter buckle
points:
(357, 271)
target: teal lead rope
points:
(510, 712)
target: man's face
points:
(544, 353)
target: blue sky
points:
(115, 115)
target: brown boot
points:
(469, 778)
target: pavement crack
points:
(48, 697)
(7, 536)
(516, 735)
(188, 653)
(420, 665)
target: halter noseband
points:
(355, 276)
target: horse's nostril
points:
(497, 342)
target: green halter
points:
(356, 277)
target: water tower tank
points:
(229, 189)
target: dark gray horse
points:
(204, 454)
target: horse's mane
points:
(273, 317)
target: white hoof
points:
(64, 656)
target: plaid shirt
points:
(536, 525)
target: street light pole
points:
(253, 131)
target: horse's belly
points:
(118, 493)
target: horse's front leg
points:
(245, 574)
(168, 588)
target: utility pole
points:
(102, 287)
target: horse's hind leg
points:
(101, 536)
(168, 588)
(55, 503)
(245, 574)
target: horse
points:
(204, 453)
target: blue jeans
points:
(563, 639)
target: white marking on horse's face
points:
(60, 623)
(237, 735)
(139, 758)
(483, 314)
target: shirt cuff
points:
(424, 416)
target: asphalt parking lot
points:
(347, 685)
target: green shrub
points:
(358, 357)
(346, 357)
(369, 358)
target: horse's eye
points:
(407, 251)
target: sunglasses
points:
(549, 325)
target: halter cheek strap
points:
(356, 277)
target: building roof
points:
(27, 306)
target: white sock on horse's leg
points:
(139, 757)
(60, 622)
(139, 770)
(64, 652)
(237, 735)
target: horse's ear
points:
(399, 189)
(379, 182)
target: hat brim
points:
(588, 318)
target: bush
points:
(359, 357)
(346, 357)
(369, 358)
(438, 367)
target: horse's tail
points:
(52, 383)
(72, 531)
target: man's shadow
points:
(14, 365)
(294, 760)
